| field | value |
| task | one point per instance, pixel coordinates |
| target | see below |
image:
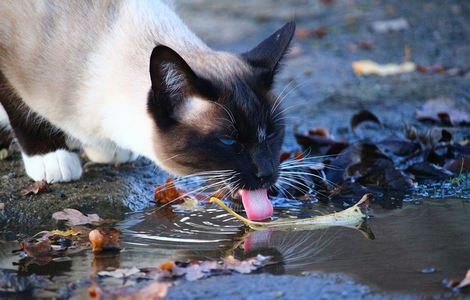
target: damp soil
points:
(419, 241)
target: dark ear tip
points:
(162, 49)
(290, 25)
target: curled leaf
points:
(363, 116)
(167, 192)
(105, 239)
(34, 189)
(349, 217)
(75, 217)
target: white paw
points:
(109, 156)
(57, 166)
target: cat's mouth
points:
(256, 203)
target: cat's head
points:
(220, 115)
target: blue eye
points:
(227, 141)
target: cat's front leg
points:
(43, 147)
(109, 155)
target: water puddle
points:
(409, 250)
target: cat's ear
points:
(170, 74)
(266, 56)
(172, 79)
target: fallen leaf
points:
(283, 157)
(368, 67)
(363, 116)
(68, 232)
(105, 239)
(2, 206)
(35, 188)
(319, 142)
(444, 110)
(427, 170)
(398, 146)
(166, 192)
(167, 265)
(37, 248)
(390, 25)
(75, 217)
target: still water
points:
(408, 250)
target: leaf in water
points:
(37, 248)
(363, 116)
(189, 204)
(350, 217)
(68, 232)
(34, 189)
(245, 266)
(444, 110)
(105, 239)
(167, 192)
(75, 217)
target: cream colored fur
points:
(84, 66)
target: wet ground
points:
(416, 245)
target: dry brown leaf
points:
(363, 116)
(37, 249)
(167, 265)
(75, 217)
(283, 157)
(166, 192)
(35, 188)
(105, 239)
(2, 206)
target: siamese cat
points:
(123, 79)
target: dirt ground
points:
(324, 92)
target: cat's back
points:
(47, 45)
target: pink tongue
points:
(257, 204)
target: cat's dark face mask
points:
(227, 127)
